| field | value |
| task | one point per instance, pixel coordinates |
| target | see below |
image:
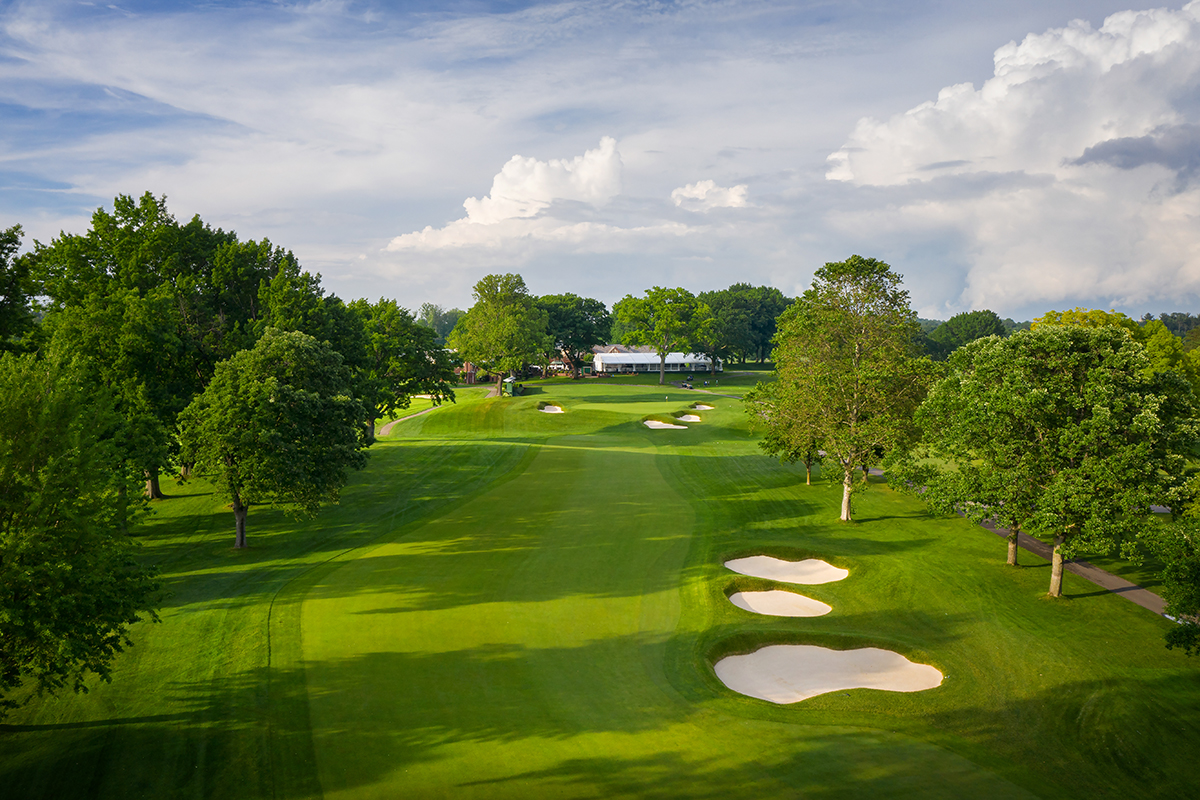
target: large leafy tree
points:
(1061, 431)
(69, 585)
(791, 424)
(277, 424)
(504, 330)
(1178, 547)
(441, 320)
(403, 360)
(965, 327)
(729, 330)
(664, 319)
(847, 353)
(576, 324)
(16, 290)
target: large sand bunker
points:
(688, 418)
(658, 426)
(810, 570)
(702, 407)
(778, 603)
(789, 673)
(551, 410)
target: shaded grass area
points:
(515, 604)
(206, 703)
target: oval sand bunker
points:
(789, 673)
(778, 603)
(702, 407)
(658, 426)
(810, 570)
(688, 418)
(551, 410)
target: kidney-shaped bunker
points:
(789, 673)
(778, 603)
(810, 570)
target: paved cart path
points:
(1102, 578)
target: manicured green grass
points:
(510, 603)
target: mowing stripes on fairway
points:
(810, 571)
(790, 673)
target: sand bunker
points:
(658, 426)
(789, 673)
(702, 407)
(551, 410)
(688, 418)
(778, 603)
(810, 570)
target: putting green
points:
(513, 604)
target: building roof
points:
(650, 358)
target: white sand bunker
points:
(789, 673)
(778, 603)
(810, 570)
(658, 426)
(688, 418)
(551, 410)
(702, 407)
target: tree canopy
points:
(277, 424)
(69, 585)
(664, 319)
(966, 327)
(575, 324)
(1062, 431)
(847, 353)
(504, 330)
(403, 360)
(16, 291)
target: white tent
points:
(648, 362)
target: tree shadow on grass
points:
(1118, 737)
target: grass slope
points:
(512, 603)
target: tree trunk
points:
(239, 516)
(153, 490)
(662, 368)
(808, 473)
(371, 429)
(847, 489)
(866, 473)
(1056, 567)
(1012, 546)
(499, 384)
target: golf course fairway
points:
(513, 604)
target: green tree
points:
(403, 360)
(16, 291)
(1177, 546)
(277, 424)
(576, 324)
(664, 319)
(441, 320)
(1062, 431)
(504, 330)
(69, 585)
(847, 353)
(729, 330)
(966, 327)
(792, 425)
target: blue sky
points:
(1019, 156)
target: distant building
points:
(618, 362)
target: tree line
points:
(1078, 428)
(147, 347)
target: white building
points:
(648, 362)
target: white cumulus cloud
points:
(1068, 174)
(706, 195)
(526, 186)
(521, 191)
